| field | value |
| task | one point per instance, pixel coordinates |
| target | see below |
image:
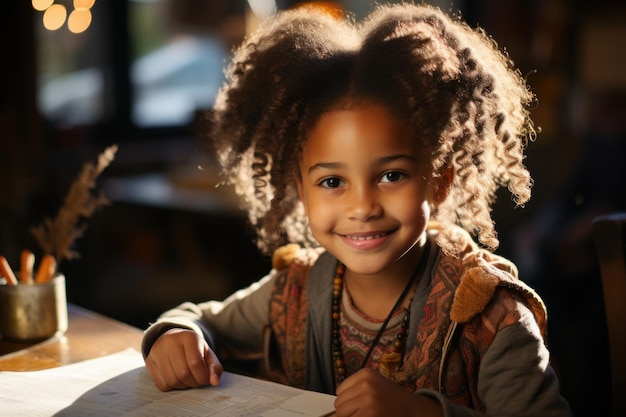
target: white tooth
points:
(367, 237)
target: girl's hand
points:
(368, 393)
(180, 358)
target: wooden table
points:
(89, 335)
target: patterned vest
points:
(468, 302)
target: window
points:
(151, 63)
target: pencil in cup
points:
(27, 263)
(7, 272)
(46, 271)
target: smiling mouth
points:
(366, 237)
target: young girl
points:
(367, 156)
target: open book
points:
(119, 385)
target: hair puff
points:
(466, 104)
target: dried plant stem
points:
(56, 236)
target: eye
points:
(332, 182)
(392, 176)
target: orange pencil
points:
(47, 268)
(26, 266)
(7, 272)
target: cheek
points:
(320, 215)
(412, 213)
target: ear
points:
(442, 184)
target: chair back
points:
(609, 234)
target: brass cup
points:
(33, 312)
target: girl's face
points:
(364, 187)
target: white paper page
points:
(119, 385)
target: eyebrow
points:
(379, 162)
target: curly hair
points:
(461, 95)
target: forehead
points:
(358, 129)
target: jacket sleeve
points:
(515, 378)
(231, 327)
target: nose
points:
(363, 204)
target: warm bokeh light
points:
(54, 17)
(330, 7)
(79, 20)
(41, 5)
(84, 4)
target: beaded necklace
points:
(390, 362)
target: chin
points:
(365, 265)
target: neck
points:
(375, 295)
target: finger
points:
(214, 366)
(195, 362)
(181, 371)
(351, 381)
(345, 408)
(355, 392)
(347, 401)
(157, 376)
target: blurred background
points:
(78, 76)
